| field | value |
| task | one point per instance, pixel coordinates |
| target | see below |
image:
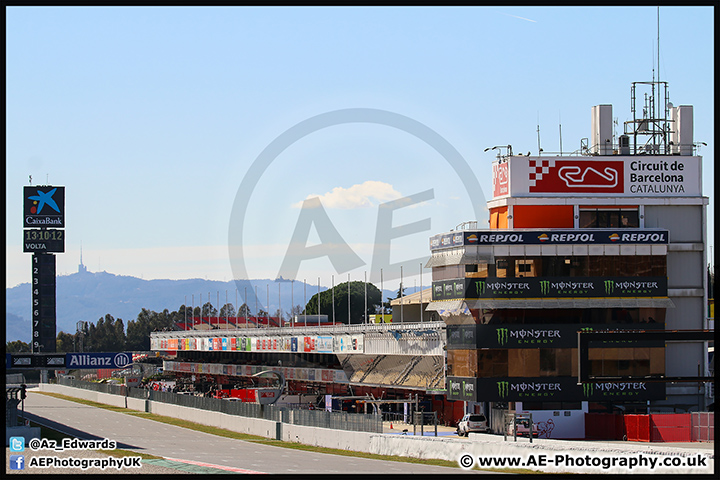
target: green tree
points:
(208, 310)
(107, 335)
(244, 311)
(138, 331)
(147, 321)
(227, 310)
(17, 346)
(356, 296)
(65, 343)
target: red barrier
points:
(656, 427)
(245, 394)
(637, 428)
(671, 427)
(604, 426)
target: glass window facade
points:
(559, 266)
(609, 217)
(586, 316)
(555, 362)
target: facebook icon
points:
(17, 462)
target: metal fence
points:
(357, 422)
(703, 426)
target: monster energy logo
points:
(609, 286)
(587, 329)
(503, 389)
(588, 389)
(545, 287)
(502, 336)
(480, 287)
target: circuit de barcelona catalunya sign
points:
(603, 176)
(550, 389)
(545, 287)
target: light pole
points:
(508, 150)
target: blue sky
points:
(152, 118)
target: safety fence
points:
(656, 427)
(357, 422)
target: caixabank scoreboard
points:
(43, 236)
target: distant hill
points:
(87, 296)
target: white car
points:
(472, 422)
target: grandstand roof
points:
(414, 298)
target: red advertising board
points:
(501, 180)
(576, 176)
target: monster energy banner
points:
(553, 389)
(463, 337)
(555, 287)
(587, 236)
(462, 388)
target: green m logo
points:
(587, 329)
(609, 286)
(588, 389)
(480, 287)
(503, 389)
(502, 336)
(545, 287)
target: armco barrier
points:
(670, 427)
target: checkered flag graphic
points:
(538, 168)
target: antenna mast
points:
(655, 121)
(538, 133)
(560, 128)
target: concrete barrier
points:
(448, 448)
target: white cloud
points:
(367, 194)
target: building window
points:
(552, 405)
(449, 272)
(559, 266)
(491, 363)
(627, 362)
(609, 217)
(542, 362)
(584, 316)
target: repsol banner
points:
(546, 287)
(461, 337)
(554, 389)
(587, 236)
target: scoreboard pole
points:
(44, 316)
(44, 236)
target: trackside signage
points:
(97, 360)
(586, 236)
(550, 287)
(461, 337)
(518, 389)
(632, 176)
(43, 206)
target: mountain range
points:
(89, 296)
